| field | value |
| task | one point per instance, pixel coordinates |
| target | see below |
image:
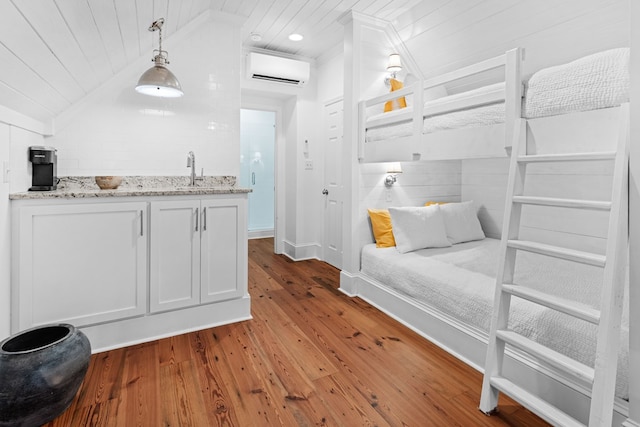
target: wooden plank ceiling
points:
(55, 52)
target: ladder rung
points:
(559, 304)
(537, 405)
(558, 252)
(552, 357)
(563, 203)
(571, 157)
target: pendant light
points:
(158, 80)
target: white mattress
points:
(459, 282)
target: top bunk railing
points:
(510, 91)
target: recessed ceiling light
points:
(295, 37)
(255, 37)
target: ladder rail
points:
(613, 285)
(506, 262)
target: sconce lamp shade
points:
(394, 64)
(159, 81)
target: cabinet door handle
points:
(253, 178)
(197, 218)
(204, 219)
(141, 222)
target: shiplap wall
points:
(485, 182)
(443, 35)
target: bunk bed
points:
(445, 292)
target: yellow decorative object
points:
(397, 103)
(430, 203)
(381, 225)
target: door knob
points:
(325, 191)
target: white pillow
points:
(461, 222)
(418, 227)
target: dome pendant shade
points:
(158, 80)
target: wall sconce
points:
(394, 66)
(393, 171)
(158, 80)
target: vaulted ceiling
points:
(55, 52)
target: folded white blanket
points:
(596, 81)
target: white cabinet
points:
(198, 252)
(130, 269)
(79, 263)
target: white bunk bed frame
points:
(478, 142)
(462, 341)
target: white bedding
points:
(596, 81)
(459, 282)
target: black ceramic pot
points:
(41, 370)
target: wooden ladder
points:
(602, 377)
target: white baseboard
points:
(136, 330)
(302, 252)
(260, 234)
(348, 284)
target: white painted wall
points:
(117, 131)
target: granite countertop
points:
(75, 187)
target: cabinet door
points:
(81, 264)
(224, 249)
(175, 254)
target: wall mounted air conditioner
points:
(277, 69)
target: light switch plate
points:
(5, 173)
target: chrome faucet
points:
(191, 163)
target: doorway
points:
(257, 169)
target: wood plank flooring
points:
(311, 356)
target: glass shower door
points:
(257, 168)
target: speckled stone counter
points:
(75, 187)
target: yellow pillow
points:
(430, 203)
(395, 104)
(381, 225)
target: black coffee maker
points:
(44, 161)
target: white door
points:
(175, 255)
(82, 264)
(332, 191)
(257, 168)
(223, 260)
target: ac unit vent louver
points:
(277, 69)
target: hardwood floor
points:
(310, 357)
